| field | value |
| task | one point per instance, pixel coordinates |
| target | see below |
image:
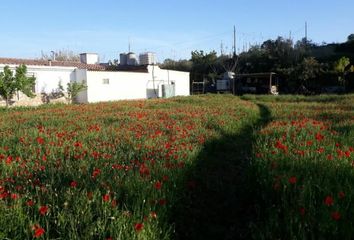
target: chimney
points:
(89, 58)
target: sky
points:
(170, 28)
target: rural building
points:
(104, 82)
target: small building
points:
(104, 83)
(257, 83)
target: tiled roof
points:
(33, 62)
(127, 68)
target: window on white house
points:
(105, 81)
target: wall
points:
(132, 85)
(122, 85)
(181, 79)
(81, 77)
(48, 78)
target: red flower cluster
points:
(43, 210)
(329, 201)
(38, 231)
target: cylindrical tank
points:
(123, 59)
(131, 59)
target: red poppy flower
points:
(14, 196)
(302, 211)
(144, 170)
(40, 140)
(341, 195)
(281, 146)
(78, 144)
(335, 215)
(292, 180)
(138, 227)
(96, 172)
(319, 137)
(73, 184)
(38, 231)
(30, 203)
(105, 198)
(9, 160)
(158, 185)
(43, 210)
(328, 201)
(162, 202)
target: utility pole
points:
(306, 31)
(234, 41)
(222, 48)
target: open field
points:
(201, 167)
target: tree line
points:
(303, 66)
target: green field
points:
(201, 167)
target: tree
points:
(61, 55)
(351, 37)
(10, 83)
(308, 70)
(73, 89)
(180, 65)
(342, 67)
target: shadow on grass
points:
(218, 204)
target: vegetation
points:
(61, 55)
(73, 89)
(10, 83)
(301, 65)
(202, 167)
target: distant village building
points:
(129, 80)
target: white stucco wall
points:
(122, 85)
(181, 79)
(81, 77)
(131, 85)
(48, 78)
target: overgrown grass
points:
(302, 170)
(109, 170)
(202, 167)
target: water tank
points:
(131, 59)
(147, 58)
(123, 59)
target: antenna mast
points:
(234, 41)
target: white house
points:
(104, 83)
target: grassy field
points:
(202, 167)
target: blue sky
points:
(171, 28)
